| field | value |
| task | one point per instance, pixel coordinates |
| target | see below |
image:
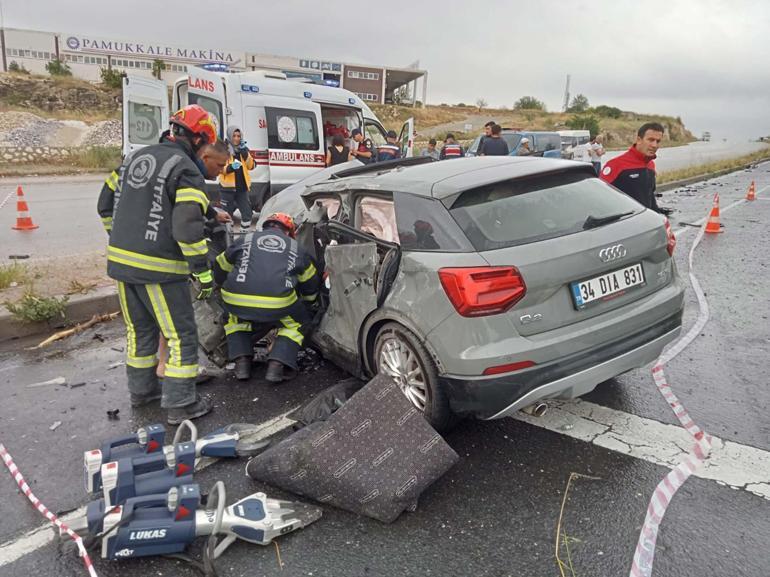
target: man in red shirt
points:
(633, 172)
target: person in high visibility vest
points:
(268, 281)
(158, 210)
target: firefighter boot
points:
(243, 368)
(276, 373)
(197, 409)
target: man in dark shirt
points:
(494, 145)
(633, 172)
(362, 148)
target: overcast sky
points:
(707, 61)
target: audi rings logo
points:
(611, 253)
(73, 43)
(271, 243)
(141, 170)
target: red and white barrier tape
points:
(19, 478)
(664, 492)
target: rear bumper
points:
(569, 377)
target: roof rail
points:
(383, 166)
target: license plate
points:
(607, 286)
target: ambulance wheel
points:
(400, 355)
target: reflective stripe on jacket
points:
(267, 271)
(158, 216)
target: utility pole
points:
(566, 95)
(2, 37)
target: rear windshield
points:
(521, 211)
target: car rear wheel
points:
(399, 355)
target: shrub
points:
(14, 273)
(579, 104)
(607, 111)
(58, 68)
(111, 77)
(584, 122)
(32, 308)
(17, 68)
(529, 103)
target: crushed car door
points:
(145, 112)
(360, 270)
(406, 138)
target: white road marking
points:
(731, 464)
(730, 206)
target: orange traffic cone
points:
(712, 225)
(752, 193)
(23, 220)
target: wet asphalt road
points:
(495, 513)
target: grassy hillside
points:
(436, 121)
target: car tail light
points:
(480, 291)
(671, 245)
(509, 368)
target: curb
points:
(80, 308)
(693, 179)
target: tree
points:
(157, 68)
(584, 122)
(58, 68)
(481, 104)
(111, 77)
(17, 68)
(529, 103)
(607, 111)
(579, 104)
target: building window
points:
(367, 96)
(363, 75)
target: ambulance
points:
(287, 124)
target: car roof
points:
(443, 179)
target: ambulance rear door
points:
(207, 89)
(145, 112)
(294, 138)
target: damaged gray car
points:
(483, 285)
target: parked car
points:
(546, 144)
(482, 286)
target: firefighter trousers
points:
(149, 310)
(293, 324)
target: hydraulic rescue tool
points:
(143, 453)
(165, 524)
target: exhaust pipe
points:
(536, 410)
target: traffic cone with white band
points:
(712, 225)
(752, 193)
(23, 220)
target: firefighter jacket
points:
(634, 174)
(107, 198)
(158, 210)
(266, 272)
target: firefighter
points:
(158, 212)
(267, 281)
(390, 150)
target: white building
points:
(87, 55)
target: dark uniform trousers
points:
(293, 323)
(150, 309)
(230, 199)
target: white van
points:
(571, 140)
(287, 124)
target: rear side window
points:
(291, 129)
(213, 107)
(424, 224)
(548, 142)
(144, 122)
(528, 210)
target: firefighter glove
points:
(205, 282)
